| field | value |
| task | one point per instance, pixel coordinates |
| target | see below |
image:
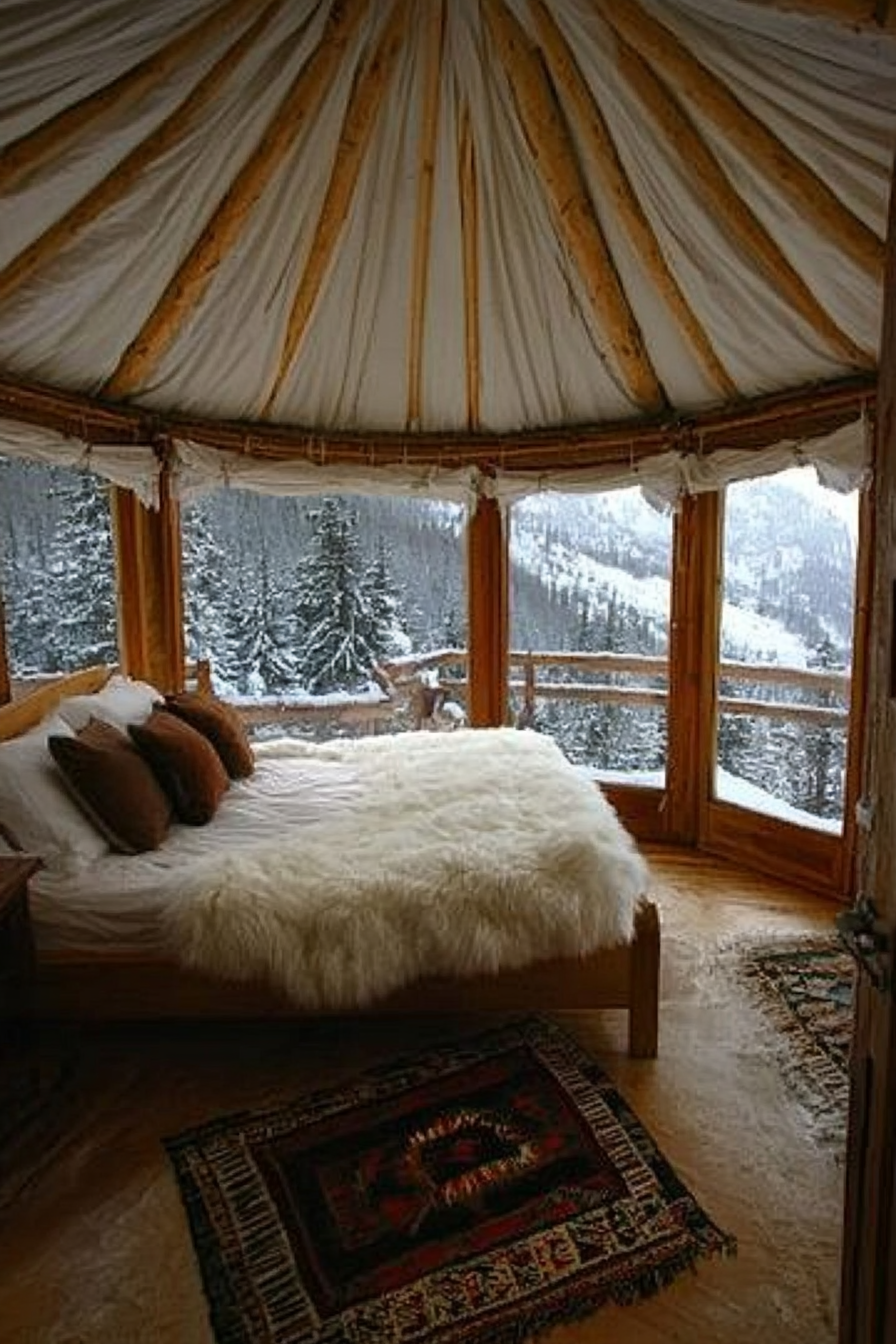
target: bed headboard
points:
(20, 715)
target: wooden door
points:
(868, 1288)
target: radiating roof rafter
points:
(24, 155)
(699, 87)
(126, 175)
(190, 281)
(605, 162)
(433, 46)
(364, 107)
(734, 217)
(555, 159)
(469, 222)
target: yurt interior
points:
(453, 441)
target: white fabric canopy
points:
(440, 221)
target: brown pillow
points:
(221, 724)
(185, 763)
(114, 786)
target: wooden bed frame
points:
(127, 987)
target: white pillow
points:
(120, 702)
(36, 806)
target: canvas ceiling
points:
(399, 224)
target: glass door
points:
(785, 648)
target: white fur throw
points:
(464, 853)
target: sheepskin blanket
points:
(462, 854)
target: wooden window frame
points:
(151, 643)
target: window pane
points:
(786, 647)
(301, 600)
(589, 595)
(58, 569)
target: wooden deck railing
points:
(399, 681)
(531, 681)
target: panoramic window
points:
(326, 614)
(57, 569)
(589, 602)
(786, 647)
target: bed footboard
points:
(129, 988)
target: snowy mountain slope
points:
(789, 553)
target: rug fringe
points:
(559, 1310)
(819, 1081)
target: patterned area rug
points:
(807, 989)
(478, 1191)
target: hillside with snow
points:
(789, 563)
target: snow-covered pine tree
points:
(384, 605)
(341, 632)
(263, 641)
(208, 595)
(81, 576)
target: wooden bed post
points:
(150, 598)
(488, 617)
(644, 988)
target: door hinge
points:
(866, 937)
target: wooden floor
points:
(93, 1244)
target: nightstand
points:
(16, 941)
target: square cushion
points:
(114, 785)
(121, 702)
(186, 765)
(37, 809)
(221, 724)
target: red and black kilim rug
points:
(478, 1191)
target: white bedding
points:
(342, 871)
(118, 901)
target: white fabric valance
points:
(197, 469)
(134, 466)
(842, 461)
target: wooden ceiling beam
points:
(752, 424)
(361, 114)
(733, 216)
(607, 165)
(557, 165)
(696, 86)
(433, 48)
(26, 154)
(190, 281)
(469, 221)
(126, 174)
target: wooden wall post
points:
(693, 653)
(150, 597)
(488, 624)
(858, 698)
